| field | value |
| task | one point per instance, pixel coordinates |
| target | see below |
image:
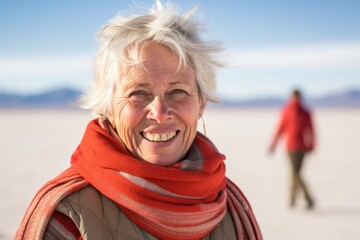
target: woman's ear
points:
(109, 116)
(203, 103)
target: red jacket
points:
(296, 125)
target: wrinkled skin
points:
(156, 110)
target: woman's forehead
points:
(151, 54)
(146, 80)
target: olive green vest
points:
(98, 217)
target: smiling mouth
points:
(159, 137)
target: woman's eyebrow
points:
(131, 84)
(183, 78)
(176, 83)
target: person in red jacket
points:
(297, 127)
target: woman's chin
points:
(161, 161)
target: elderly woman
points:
(142, 171)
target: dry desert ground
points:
(37, 144)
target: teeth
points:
(157, 137)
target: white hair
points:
(122, 38)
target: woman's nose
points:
(159, 110)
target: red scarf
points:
(184, 201)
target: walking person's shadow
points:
(338, 210)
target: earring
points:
(204, 128)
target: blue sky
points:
(270, 46)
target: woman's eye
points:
(139, 96)
(177, 94)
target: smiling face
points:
(155, 111)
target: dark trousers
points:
(297, 183)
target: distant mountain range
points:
(67, 98)
(344, 99)
(58, 98)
